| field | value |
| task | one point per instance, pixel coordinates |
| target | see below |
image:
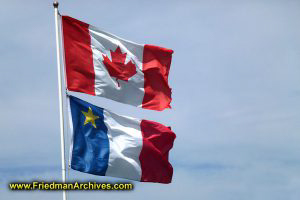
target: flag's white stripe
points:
(133, 50)
(125, 141)
(131, 92)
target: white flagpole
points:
(61, 114)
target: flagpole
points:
(61, 114)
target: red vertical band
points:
(78, 56)
(156, 67)
(157, 142)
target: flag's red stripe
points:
(157, 142)
(156, 67)
(78, 56)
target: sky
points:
(235, 78)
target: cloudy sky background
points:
(235, 76)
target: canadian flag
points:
(102, 64)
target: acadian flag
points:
(102, 64)
(108, 144)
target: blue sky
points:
(236, 93)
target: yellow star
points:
(90, 117)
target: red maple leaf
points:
(117, 67)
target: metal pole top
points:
(55, 4)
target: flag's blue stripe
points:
(90, 145)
